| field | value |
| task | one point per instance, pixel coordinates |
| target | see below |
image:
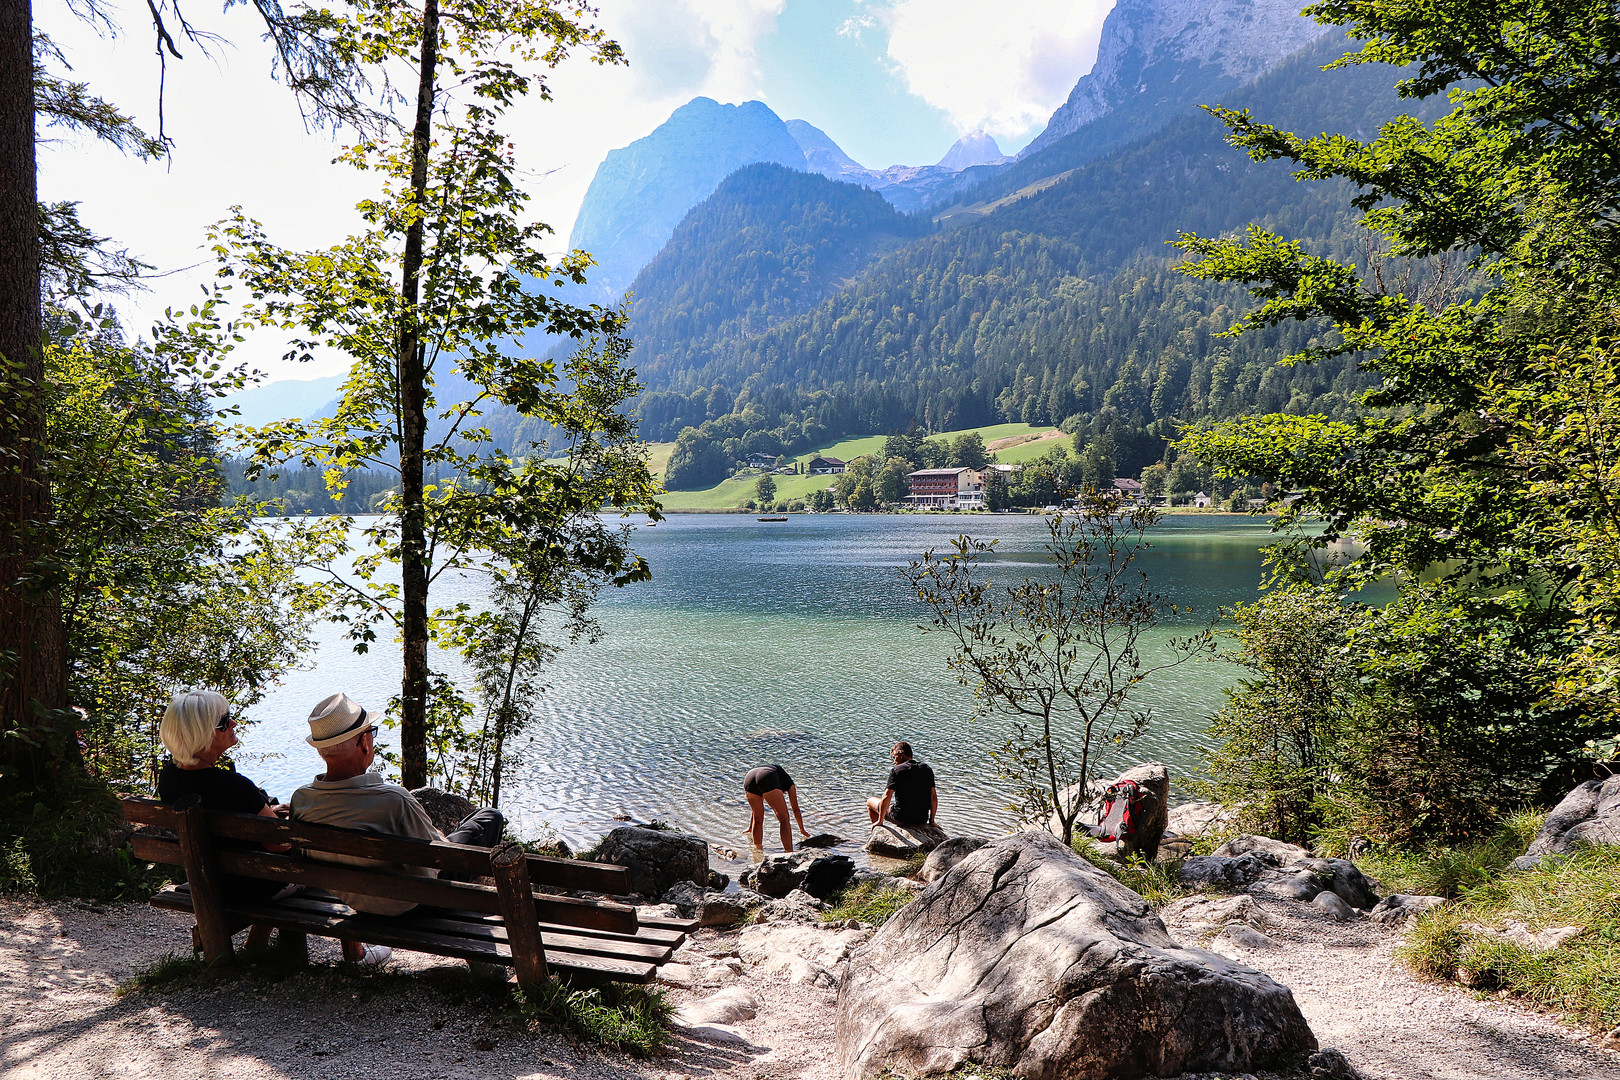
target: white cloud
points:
(1004, 71)
(239, 140)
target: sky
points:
(891, 81)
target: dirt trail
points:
(60, 1018)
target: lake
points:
(794, 643)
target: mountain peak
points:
(974, 148)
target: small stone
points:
(1241, 938)
(679, 975)
(1332, 904)
(1398, 908)
(722, 1007)
(1330, 1064)
(1222, 873)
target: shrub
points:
(1581, 977)
(1445, 871)
(869, 902)
(635, 1019)
(1155, 882)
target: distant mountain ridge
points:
(1177, 52)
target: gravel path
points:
(60, 1018)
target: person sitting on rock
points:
(766, 785)
(911, 797)
(350, 796)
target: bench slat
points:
(370, 881)
(455, 858)
(404, 932)
(657, 935)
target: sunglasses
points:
(226, 722)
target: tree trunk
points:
(33, 665)
(414, 567)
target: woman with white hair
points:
(197, 728)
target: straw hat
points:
(336, 719)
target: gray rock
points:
(1236, 938)
(729, 909)
(717, 1033)
(1330, 1064)
(1343, 878)
(797, 906)
(948, 854)
(1027, 958)
(687, 898)
(1277, 852)
(1331, 904)
(1398, 908)
(893, 840)
(821, 840)
(1205, 912)
(864, 874)
(1292, 884)
(445, 809)
(727, 1006)
(1588, 816)
(820, 873)
(718, 881)
(656, 858)
(1221, 873)
(1191, 820)
(805, 954)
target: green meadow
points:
(731, 494)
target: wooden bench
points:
(536, 933)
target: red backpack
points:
(1119, 810)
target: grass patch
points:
(635, 1019)
(1581, 977)
(869, 902)
(170, 968)
(1447, 871)
(1157, 883)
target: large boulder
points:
(947, 855)
(1278, 852)
(1026, 957)
(819, 873)
(1588, 816)
(1344, 879)
(444, 808)
(1221, 873)
(656, 858)
(893, 840)
(1194, 819)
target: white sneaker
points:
(376, 955)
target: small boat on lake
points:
(782, 518)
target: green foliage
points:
(634, 1019)
(1157, 883)
(1055, 653)
(869, 902)
(162, 588)
(1579, 977)
(1447, 871)
(1423, 721)
(1491, 448)
(765, 489)
(433, 291)
(170, 969)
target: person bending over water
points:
(766, 785)
(911, 797)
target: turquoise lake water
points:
(793, 642)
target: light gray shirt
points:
(371, 804)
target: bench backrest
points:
(298, 868)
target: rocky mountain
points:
(641, 191)
(284, 399)
(974, 148)
(1174, 54)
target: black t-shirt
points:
(221, 788)
(912, 783)
(767, 778)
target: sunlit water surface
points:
(794, 642)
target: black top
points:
(221, 788)
(912, 783)
(767, 778)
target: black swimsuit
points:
(767, 778)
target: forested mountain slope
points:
(1060, 307)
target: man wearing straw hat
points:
(349, 795)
